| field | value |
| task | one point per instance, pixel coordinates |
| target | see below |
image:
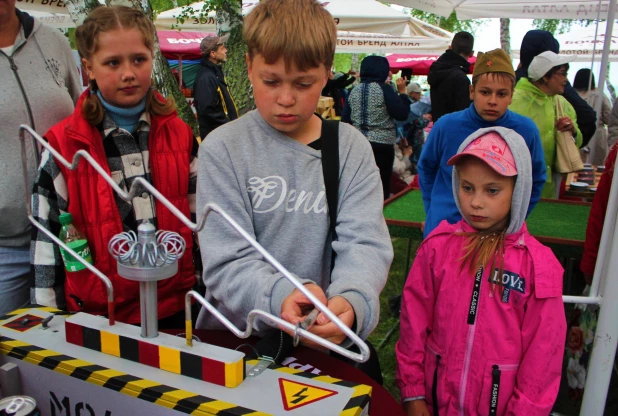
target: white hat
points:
(413, 87)
(543, 62)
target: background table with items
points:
(326, 108)
(560, 225)
(590, 178)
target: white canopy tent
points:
(604, 289)
(58, 21)
(350, 15)
(418, 37)
(527, 9)
(581, 42)
(46, 6)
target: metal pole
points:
(611, 13)
(594, 45)
(146, 236)
(611, 212)
(180, 70)
(148, 308)
(587, 300)
(606, 337)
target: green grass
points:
(548, 219)
(394, 287)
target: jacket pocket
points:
(497, 388)
(85, 292)
(434, 375)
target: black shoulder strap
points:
(330, 169)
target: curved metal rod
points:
(108, 284)
(140, 183)
(273, 321)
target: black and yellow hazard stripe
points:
(360, 397)
(151, 391)
(212, 370)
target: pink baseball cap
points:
(492, 149)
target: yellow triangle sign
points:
(295, 394)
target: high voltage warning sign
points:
(23, 323)
(295, 394)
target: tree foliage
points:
(556, 26)
(159, 6)
(344, 61)
(451, 23)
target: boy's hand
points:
(565, 124)
(401, 85)
(416, 408)
(297, 306)
(407, 152)
(328, 330)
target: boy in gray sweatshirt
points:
(265, 170)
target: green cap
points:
(66, 218)
(493, 61)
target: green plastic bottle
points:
(76, 241)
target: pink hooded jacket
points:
(470, 347)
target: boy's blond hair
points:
(301, 31)
(496, 76)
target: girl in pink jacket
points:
(482, 320)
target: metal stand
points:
(149, 257)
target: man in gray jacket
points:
(40, 85)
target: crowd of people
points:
(482, 303)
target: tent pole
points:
(594, 45)
(180, 71)
(594, 289)
(611, 13)
(606, 338)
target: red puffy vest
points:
(94, 210)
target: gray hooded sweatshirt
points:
(273, 187)
(523, 183)
(40, 85)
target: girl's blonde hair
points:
(105, 19)
(485, 250)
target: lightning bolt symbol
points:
(299, 396)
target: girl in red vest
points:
(132, 132)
